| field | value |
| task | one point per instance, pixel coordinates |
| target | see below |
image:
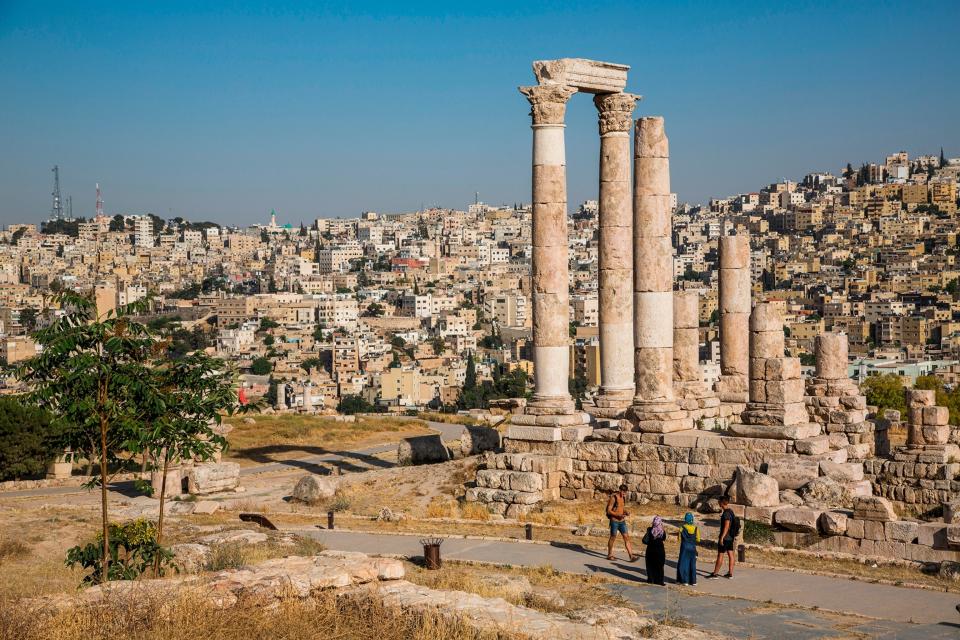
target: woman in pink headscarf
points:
(656, 556)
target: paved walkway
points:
(348, 461)
(737, 606)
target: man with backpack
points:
(617, 514)
(729, 530)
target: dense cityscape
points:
(386, 311)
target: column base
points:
(551, 406)
(551, 427)
(610, 403)
(659, 417)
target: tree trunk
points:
(103, 488)
(163, 495)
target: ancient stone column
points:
(776, 408)
(686, 338)
(831, 352)
(654, 408)
(550, 272)
(281, 396)
(307, 398)
(615, 286)
(734, 306)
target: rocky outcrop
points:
(499, 617)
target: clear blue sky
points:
(225, 111)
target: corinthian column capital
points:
(548, 102)
(615, 111)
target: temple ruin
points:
(804, 455)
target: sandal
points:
(634, 558)
(611, 558)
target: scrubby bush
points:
(133, 549)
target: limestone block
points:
(766, 344)
(599, 451)
(758, 390)
(734, 252)
(766, 316)
(873, 530)
(782, 368)
(855, 528)
(797, 519)
(901, 531)
(213, 477)
(845, 472)
(858, 451)
(523, 432)
(651, 176)
(936, 416)
(936, 434)
(756, 489)
(831, 352)
(921, 397)
(174, 482)
(854, 402)
(873, 508)
(525, 481)
(812, 446)
(686, 346)
(833, 523)
(312, 488)
(589, 76)
(786, 391)
(793, 472)
(601, 481)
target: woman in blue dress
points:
(687, 562)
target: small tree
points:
(885, 392)
(191, 396)
(89, 375)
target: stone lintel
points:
(589, 76)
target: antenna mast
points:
(99, 202)
(57, 210)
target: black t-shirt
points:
(727, 516)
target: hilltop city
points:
(398, 312)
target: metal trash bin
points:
(431, 552)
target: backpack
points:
(734, 527)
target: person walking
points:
(729, 530)
(655, 556)
(687, 562)
(617, 514)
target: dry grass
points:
(449, 418)
(552, 591)
(324, 616)
(291, 436)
